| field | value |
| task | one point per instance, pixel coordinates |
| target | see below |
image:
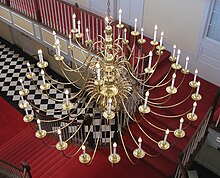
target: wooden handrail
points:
(23, 172)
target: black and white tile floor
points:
(13, 67)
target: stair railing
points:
(10, 170)
(188, 154)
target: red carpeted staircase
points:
(18, 142)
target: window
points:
(214, 23)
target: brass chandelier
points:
(115, 82)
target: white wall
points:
(179, 19)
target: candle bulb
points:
(78, 26)
(166, 135)
(22, 85)
(194, 108)
(22, 98)
(74, 21)
(178, 56)
(60, 136)
(174, 50)
(70, 39)
(142, 33)
(139, 143)
(150, 59)
(125, 34)
(67, 97)
(43, 78)
(98, 69)
(40, 55)
(106, 21)
(197, 89)
(186, 64)
(38, 124)
(87, 34)
(155, 32)
(161, 38)
(84, 150)
(29, 68)
(54, 35)
(173, 80)
(119, 16)
(114, 148)
(58, 47)
(109, 105)
(146, 99)
(195, 75)
(181, 123)
(135, 24)
(26, 111)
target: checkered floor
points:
(13, 67)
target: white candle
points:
(142, 33)
(195, 75)
(87, 34)
(98, 69)
(26, 111)
(119, 16)
(150, 59)
(58, 47)
(197, 89)
(109, 105)
(173, 80)
(181, 123)
(194, 108)
(174, 50)
(22, 98)
(178, 56)
(166, 135)
(135, 24)
(55, 36)
(125, 34)
(139, 143)
(67, 96)
(38, 124)
(146, 99)
(106, 21)
(70, 39)
(60, 136)
(40, 54)
(74, 21)
(78, 26)
(43, 78)
(29, 68)
(114, 148)
(155, 32)
(84, 150)
(161, 38)
(22, 85)
(186, 64)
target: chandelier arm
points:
(123, 144)
(49, 110)
(168, 94)
(132, 136)
(96, 146)
(146, 133)
(127, 111)
(171, 117)
(72, 82)
(156, 127)
(83, 143)
(55, 131)
(62, 83)
(66, 67)
(170, 106)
